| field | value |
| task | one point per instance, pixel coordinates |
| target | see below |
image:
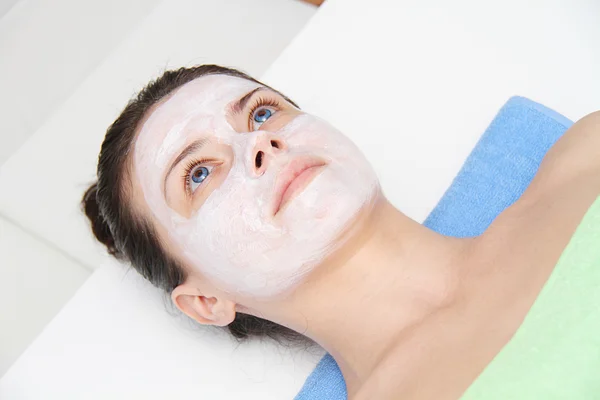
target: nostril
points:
(274, 144)
(258, 160)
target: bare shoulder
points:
(574, 157)
(565, 185)
(579, 148)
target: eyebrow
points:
(189, 149)
(239, 105)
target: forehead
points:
(209, 95)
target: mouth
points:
(293, 179)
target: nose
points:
(267, 147)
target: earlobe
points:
(204, 309)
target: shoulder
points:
(579, 148)
(574, 157)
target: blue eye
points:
(198, 175)
(262, 114)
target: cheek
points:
(320, 138)
(230, 233)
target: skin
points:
(408, 313)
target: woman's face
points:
(248, 190)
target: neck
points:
(359, 304)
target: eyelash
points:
(262, 102)
(188, 170)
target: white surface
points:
(246, 34)
(47, 48)
(35, 282)
(115, 340)
(5, 6)
(413, 85)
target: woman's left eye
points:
(261, 115)
(198, 175)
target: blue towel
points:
(495, 174)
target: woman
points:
(254, 215)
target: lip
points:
(293, 179)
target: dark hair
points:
(131, 237)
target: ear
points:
(204, 309)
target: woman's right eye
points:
(261, 115)
(261, 111)
(197, 175)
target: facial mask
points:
(233, 238)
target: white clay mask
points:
(235, 239)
